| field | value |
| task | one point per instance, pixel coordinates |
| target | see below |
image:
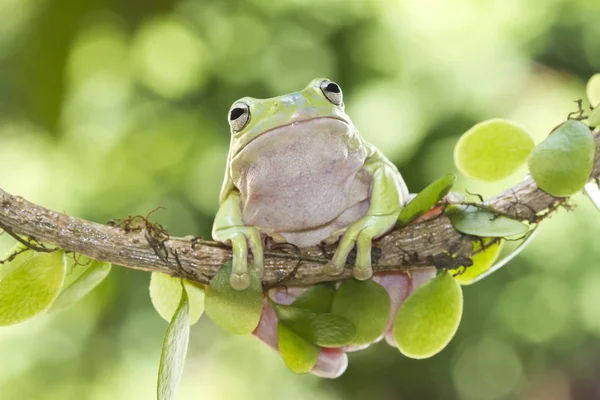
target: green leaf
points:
(299, 355)
(366, 304)
(76, 266)
(18, 260)
(477, 221)
(317, 299)
(562, 163)
(482, 261)
(93, 275)
(327, 330)
(174, 349)
(592, 190)
(593, 90)
(508, 258)
(237, 311)
(428, 319)
(492, 150)
(594, 119)
(165, 292)
(31, 287)
(426, 199)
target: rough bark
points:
(142, 245)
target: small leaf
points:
(237, 311)
(19, 254)
(31, 287)
(426, 199)
(317, 299)
(429, 318)
(366, 304)
(482, 261)
(594, 119)
(508, 258)
(165, 292)
(327, 330)
(562, 163)
(94, 274)
(174, 349)
(299, 355)
(492, 150)
(593, 90)
(478, 221)
(76, 266)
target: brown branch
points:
(147, 247)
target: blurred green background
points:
(110, 108)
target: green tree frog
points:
(299, 172)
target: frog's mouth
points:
(297, 136)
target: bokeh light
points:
(487, 369)
(110, 109)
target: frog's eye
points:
(239, 115)
(332, 92)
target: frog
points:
(299, 172)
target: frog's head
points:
(319, 104)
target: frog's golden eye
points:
(332, 92)
(239, 116)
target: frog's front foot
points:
(361, 234)
(240, 238)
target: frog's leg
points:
(384, 208)
(229, 228)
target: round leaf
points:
(426, 199)
(562, 163)
(328, 330)
(482, 261)
(428, 319)
(593, 90)
(94, 274)
(165, 292)
(31, 287)
(366, 304)
(478, 221)
(299, 355)
(317, 299)
(236, 311)
(174, 349)
(594, 119)
(492, 150)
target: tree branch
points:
(145, 246)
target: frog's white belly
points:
(304, 181)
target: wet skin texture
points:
(299, 172)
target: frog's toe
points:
(362, 268)
(239, 280)
(338, 262)
(260, 271)
(333, 270)
(256, 246)
(362, 273)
